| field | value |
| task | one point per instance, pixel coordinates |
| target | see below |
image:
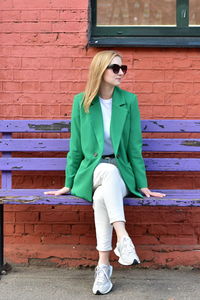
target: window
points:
(172, 23)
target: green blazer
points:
(87, 143)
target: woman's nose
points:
(121, 72)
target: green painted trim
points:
(128, 33)
(169, 42)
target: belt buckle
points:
(107, 157)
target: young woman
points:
(105, 163)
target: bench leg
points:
(4, 268)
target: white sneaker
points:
(126, 252)
(102, 284)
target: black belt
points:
(108, 156)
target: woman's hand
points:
(149, 193)
(62, 191)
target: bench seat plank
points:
(36, 196)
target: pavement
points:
(47, 283)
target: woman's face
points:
(110, 77)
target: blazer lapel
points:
(97, 121)
(119, 112)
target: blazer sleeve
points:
(75, 154)
(135, 146)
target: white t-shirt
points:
(106, 107)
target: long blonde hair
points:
(97, 67)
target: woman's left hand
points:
(149, 193)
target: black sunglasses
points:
(116, 68)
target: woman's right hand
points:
(62, 191)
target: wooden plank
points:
(36, 196)
(152, 145)
(172, 164)
(64, 125)
(32, 164)
(32, 145)
(53, 164)
(171, 145)
(171, 126)
(35, 125)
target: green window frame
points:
(180, 35)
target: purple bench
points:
(13, 141)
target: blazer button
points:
(95, 154)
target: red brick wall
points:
(43, 62)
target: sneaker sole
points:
(124, 263)
(99, 293)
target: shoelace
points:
(101, 274)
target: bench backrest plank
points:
(62, 145)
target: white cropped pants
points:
(109, 191)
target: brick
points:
(69, 4)
(80, 229)
(10, 110)
(145, 240)
(6, 4)
(66, 26)
(10, 62)
(59, 217)
(54, 111)
(30, 86)
(9, 229)
(151, 75)
(160, 87)
(49, 86)
(6, 75)
(50, 15)
(180, 112)
(31, 110)
(61, 229)
(175, 99)
(142, 63)
(66, 74)
(180, 62)
(42, 228)
(71, 39)
(150, 99)
(30, 15)
(27, 217)
(19, 228)
(184, 240)
(54, 239)
(183, 87)
(10, 15)
(23, 239)
(193, 110)
(74, 15)
(164, 111)
(10, 38)
(143, 87)
(29, 228)
(20, 4)
(88, 240)
(12, 86)
(32, 75)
